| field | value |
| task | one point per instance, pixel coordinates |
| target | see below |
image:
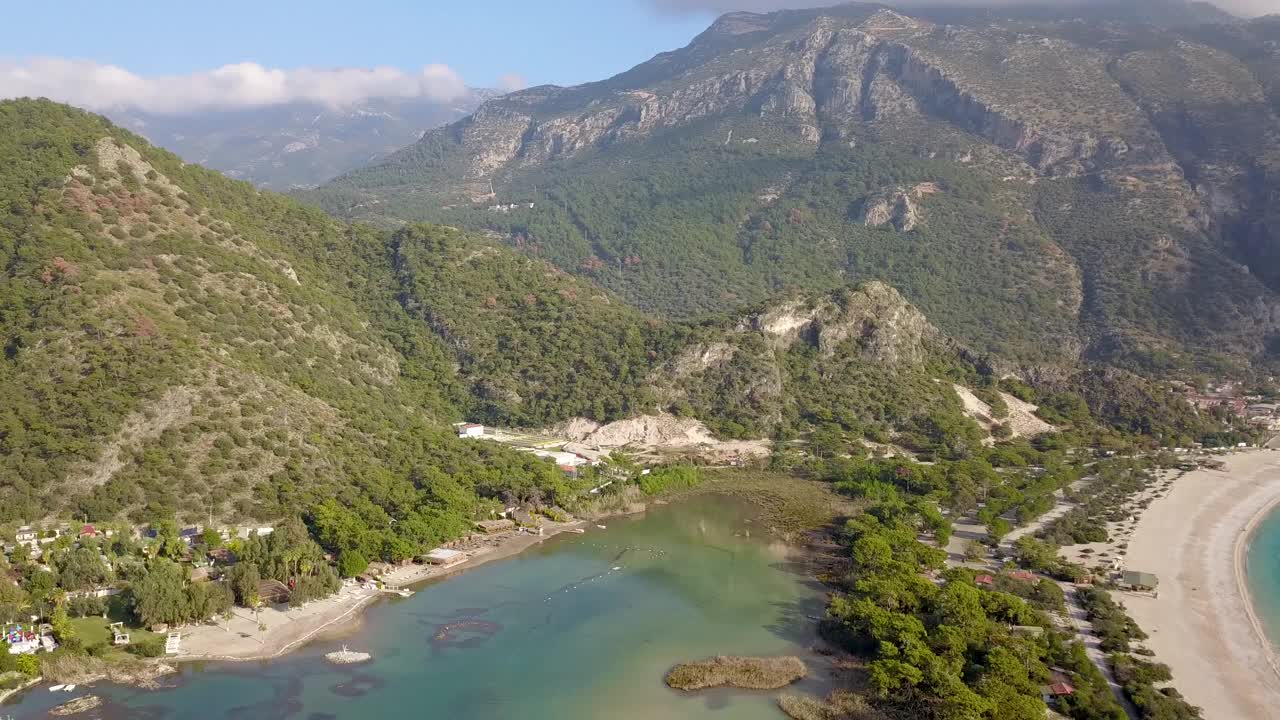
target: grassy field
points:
(97, 630)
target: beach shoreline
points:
(339, 615)
(1202, 623)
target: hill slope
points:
(177, 341)
(1040, 188)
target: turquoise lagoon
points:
(582, 627)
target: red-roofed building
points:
(1059, 689)
(984, 580)
(88, 531)
(1024, 575)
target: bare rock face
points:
(895, 207)
(821, 75)
(886, 328)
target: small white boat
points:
(602, 527)
(56, 688)
(576, 531)
(69, 688)
(617, 567)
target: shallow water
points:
(555, 633)
(1262, 563)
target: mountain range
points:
(1051, 187)
(828, 225)
(299, 144)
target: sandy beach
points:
(290, 628)
(1201, 623)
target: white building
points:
(564, 459)
(470, 430)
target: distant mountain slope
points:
(1042, 188)
(297, 145)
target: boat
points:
(576, 531)
(69, 688)
(602, 527)
(56, 688)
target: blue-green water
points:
(1262, 566)
(555, 633)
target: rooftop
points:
(1140, 579)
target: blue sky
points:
(563, 42)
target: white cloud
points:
(512, 82)
(1247, 8)
(243, 85)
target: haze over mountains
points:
(297, 144)
(1046, 187)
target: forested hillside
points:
(178, 341)
(1045, 188)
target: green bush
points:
(670, 478)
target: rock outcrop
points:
(883, 326)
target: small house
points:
(1024, 576)
(984, 580)
(26, 534)
(444, 557)
(1054, 691)
(1139, 581)
(88, 531)
(189, 535)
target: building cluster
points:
(508, 207)
(25, 639)
(1230, 397)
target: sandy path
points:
(1201, 624)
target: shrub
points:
(149, 648)
(665, 479)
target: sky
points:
(173, 57)
(252, 50)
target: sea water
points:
(1262, 564)
(582, 627)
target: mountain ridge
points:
(759, 103)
